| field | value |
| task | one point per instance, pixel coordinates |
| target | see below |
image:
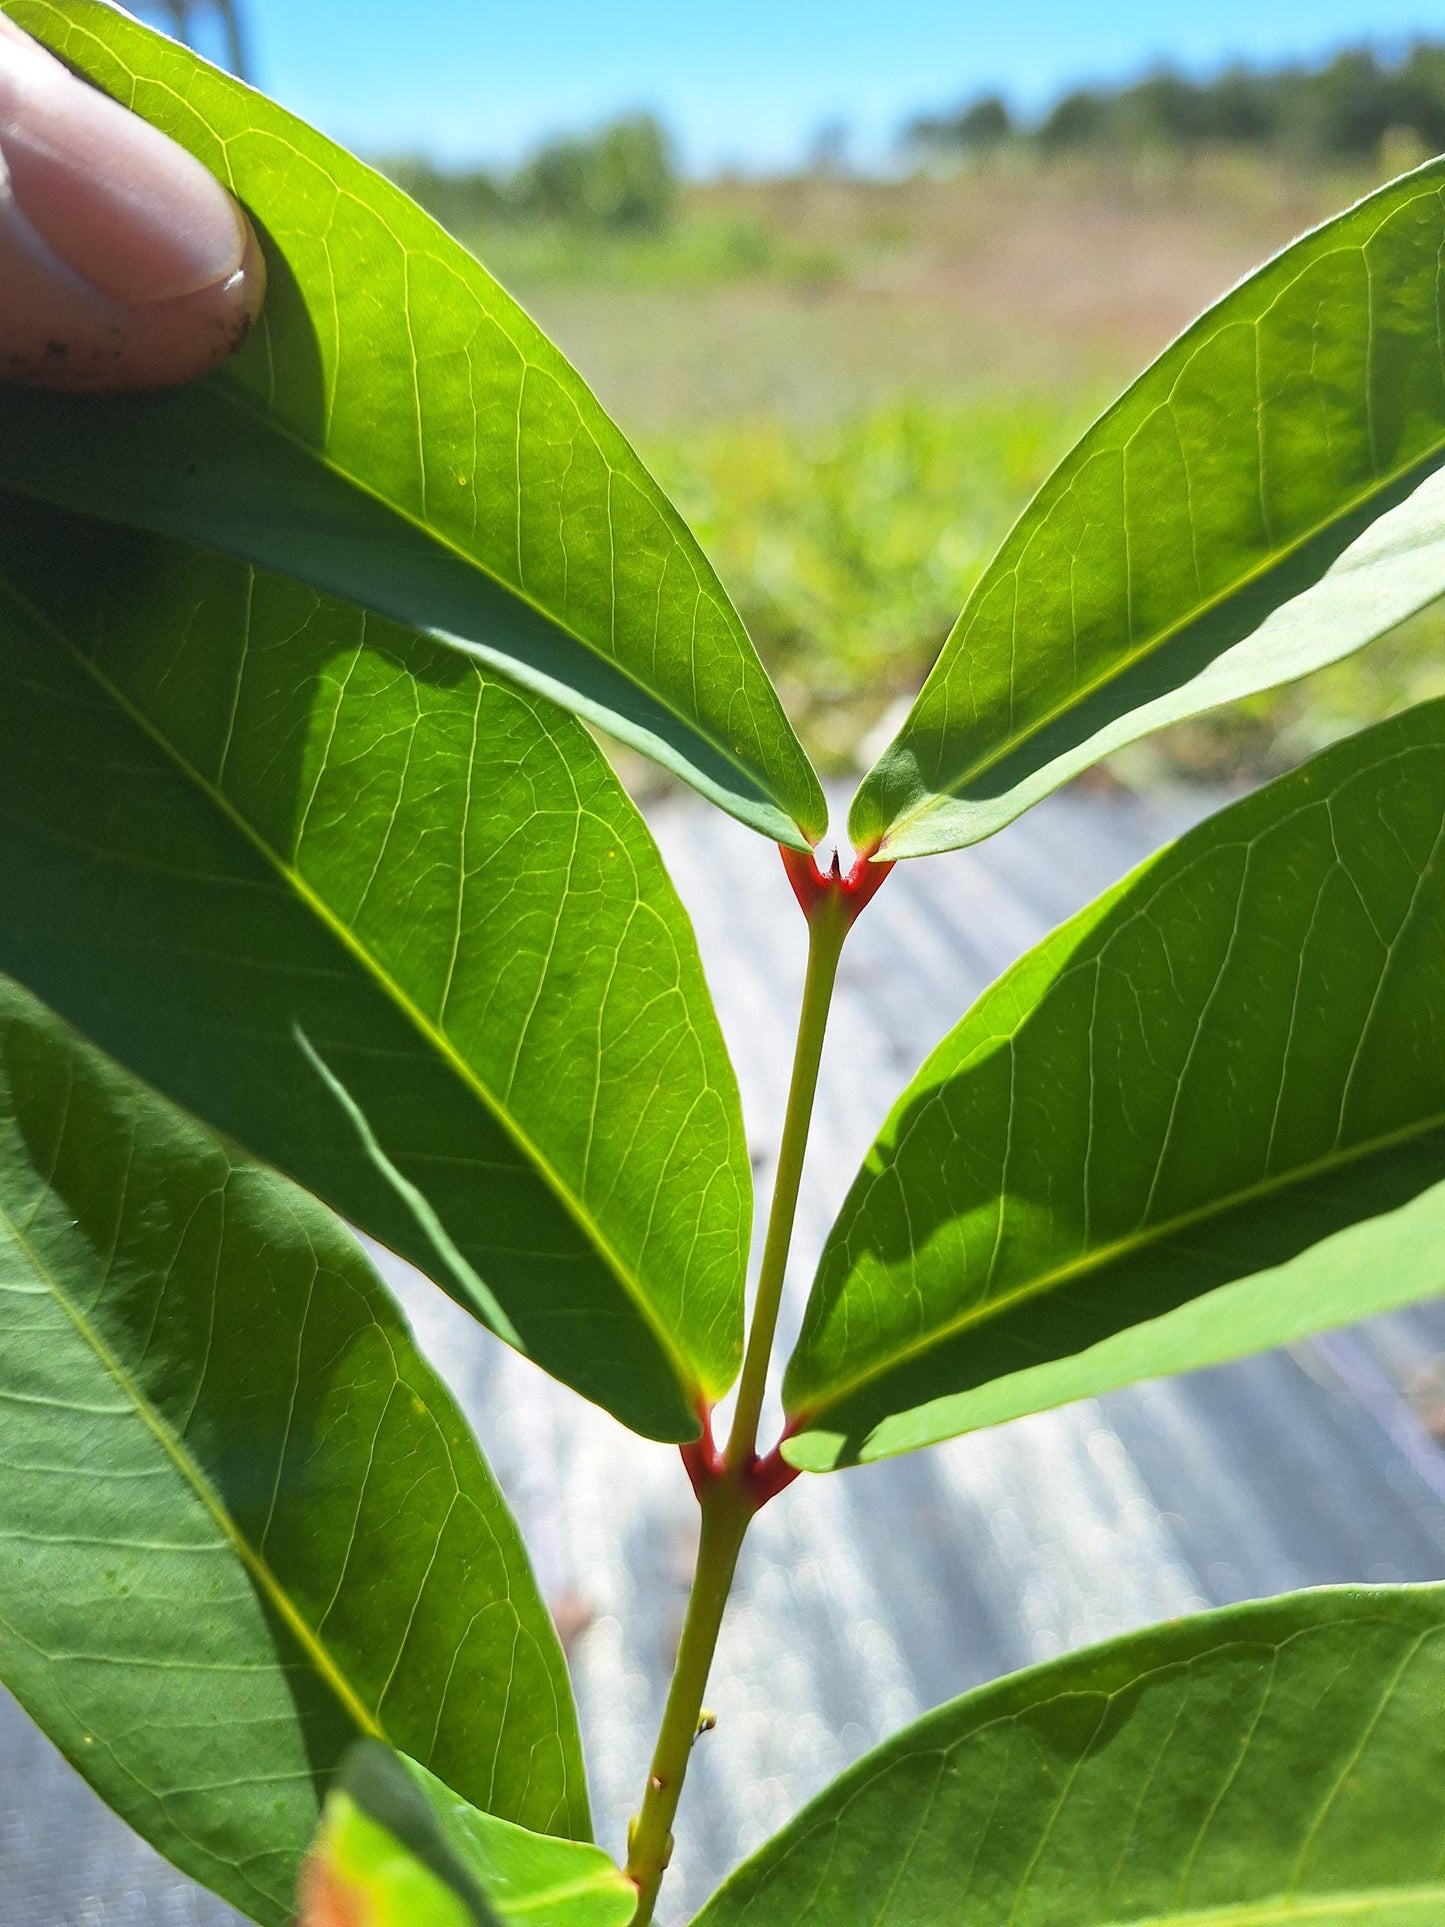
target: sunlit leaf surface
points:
(1233, 1056)
(397, 1848)
(1274, 1765)
(399, 432)
(1209, 537)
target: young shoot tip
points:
(816, 886)
(759, 1479)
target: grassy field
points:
(851, 388)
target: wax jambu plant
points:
(320, 907)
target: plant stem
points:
(828, 925)
(729, 1490)
(727, 1510)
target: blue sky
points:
(744, 81)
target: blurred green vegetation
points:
(621, 179)
(702, 250)
(850, 545)
(852, 386)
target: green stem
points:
(728, 1489)
(828, 925)
(727, 1509)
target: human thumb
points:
(123, 262)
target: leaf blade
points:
(377, 440)
(391, 924)
(210, 1415)
(1241, 553)
(394, 1839)
(1204, 1117)
(1271, 1762)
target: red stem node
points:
(815, 887)
(769, 1476)
(706, 1462)
(703, 1457)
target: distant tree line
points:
(623, 177)
(1340, 111)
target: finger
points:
(123, 262)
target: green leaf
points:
(400, 433)
(241, 1522)
(1237, 1053)
(397, 1848)
(1209, 537)
(1272, 1765)
(389, 922)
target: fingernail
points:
(133, 214)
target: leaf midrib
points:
(607, 1880)
(1158, 639)
(352, 944)
(1104, 1255)
(255, 1563)
(1281, 1912)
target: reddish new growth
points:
(763, 1478)
(831, 902)
(814, 887)
(703, 1458)
(326, 1900)
(770, 1475)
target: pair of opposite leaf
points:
(402, 434)
(391, 923)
